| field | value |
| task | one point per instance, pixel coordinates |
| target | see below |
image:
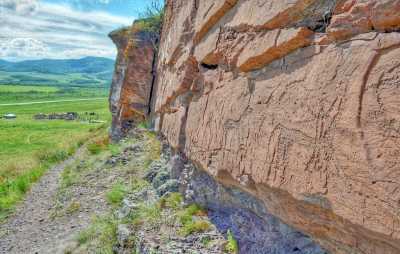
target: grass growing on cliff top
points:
(29, 147)
(152, 18)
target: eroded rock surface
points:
(133, 78)
(294, 102)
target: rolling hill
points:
(85, 72)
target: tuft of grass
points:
(195, 226)
(69, 177)
(189, 225)
(73, 207)
(232, 245)
(143, 125)
(52, 156)
(152, 149)
(173, 201)
(116, 194)
(99, 145)
(13, 190)
(101, 235)
(149, 214)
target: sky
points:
(62, 29)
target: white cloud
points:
(31, 30)
(20, 6)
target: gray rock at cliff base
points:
(169, 186)
(256, 230)
(123, 235)
(176, 166)
(160, 178)
(128, 206)
(153, 170)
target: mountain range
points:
(88, 71)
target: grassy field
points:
(29, 147)
(21, 93)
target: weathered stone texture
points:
(295, 102)
(133, 78)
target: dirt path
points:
(44, 102)
(33, 229)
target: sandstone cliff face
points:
(133, 78)
(296, 103)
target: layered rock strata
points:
(294, 103)
(133, 78)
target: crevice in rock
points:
(320, 26)
(209, 66)
(154, 78)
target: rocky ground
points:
(111, 199)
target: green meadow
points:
(29, 147)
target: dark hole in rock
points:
(321, 25)
(295, 249)
(209, 66)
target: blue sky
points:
(59, 29)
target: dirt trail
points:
(33, 229)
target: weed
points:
(152, 149)
(232, 245)
(98, 146)
(114, 149)
(149, 214)
(173, 201)
(52, 156)
(73, 207)
(195, 226)
(143, 125)
(189, 225)
(101, 235)
(206, 240)
(116, 194)
(69, 177)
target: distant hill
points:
(88, 71)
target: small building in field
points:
(9, 116)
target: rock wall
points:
(133, 78)
(295, 103)
(292, 102)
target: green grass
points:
(116, 194)
(189, 225)
(29, 147)
(101, 235)
(232, 245)
(20, 93)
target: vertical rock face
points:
(133, 78)
(294, 102)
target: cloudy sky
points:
(36, 29)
